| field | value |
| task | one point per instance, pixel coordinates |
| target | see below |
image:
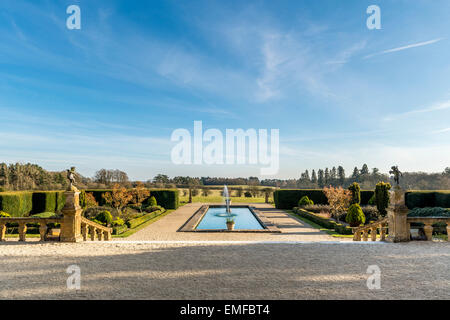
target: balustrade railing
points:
(95, 230)
(372, 229)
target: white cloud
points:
(443, 105)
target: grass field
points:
(216, 196)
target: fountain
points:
(226, 197)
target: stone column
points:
(22, 231)
(71, 224)
(397, 216)
(448, 230)
(43, 230)
(428, 229)
(2, 231)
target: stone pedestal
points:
(397, 217)
(71, 225)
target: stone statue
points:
(71, 177)
(397, 174)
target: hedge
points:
(167, 198)
(133, 223)
(324, 222)
(25, 203)
(288, 198)
(120, 229)
(423, 199)
(17, 204)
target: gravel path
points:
(416, 270)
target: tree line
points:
(33, 177)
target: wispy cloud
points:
(409, 46)
(443, 105)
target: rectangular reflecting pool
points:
(215, 218)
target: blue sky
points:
(110, 95)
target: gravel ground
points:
(325, 270)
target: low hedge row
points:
(324, 222)
(119, 229)
(133, 223)
(423, 199)
(167, 198)
(24, 203)
(288, 198)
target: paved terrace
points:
(291, 229)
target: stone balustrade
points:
(372, 229)
(94, 231)
(43, 222)
(428, 222)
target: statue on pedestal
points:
(397, 174)
(71, 177)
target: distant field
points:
(216, 196)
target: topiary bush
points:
(356, 193)
(355, 216)
(105, 217)
(118, 222)
(152, 201)
(4, 215)
(305, 201)
(382, 197)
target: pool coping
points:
(191, 224)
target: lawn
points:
(215, 197)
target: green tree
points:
(341, 175)
(320, 178)
(313, 176)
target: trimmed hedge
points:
(17, 204)
(324, 222)
(424, 199)
(119, 229)
(25, 203)
(288, 198)
(133, 223)
(167, 198)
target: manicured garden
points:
(336, 210)
(124, 210)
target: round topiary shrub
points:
(305, 201)
(355, 216)
(152, 202)
(105, 217)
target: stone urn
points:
(230, 225)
